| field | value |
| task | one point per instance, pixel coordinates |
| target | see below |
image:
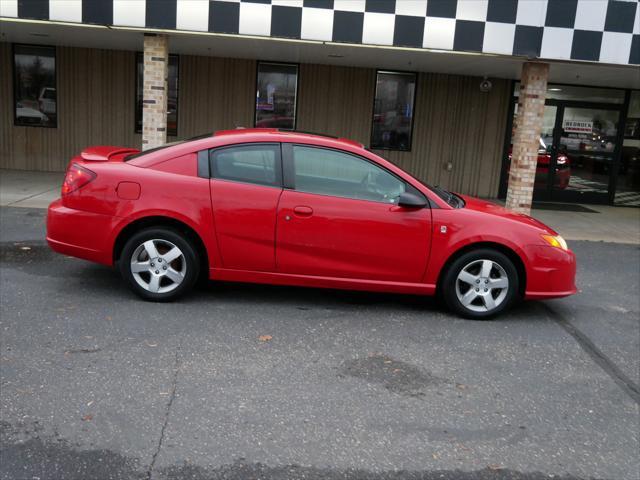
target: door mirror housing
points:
(411, 200)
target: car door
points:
(340, 218)
(246, 183)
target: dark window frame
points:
(278, 182)
(289, 172)
(413, 109)
(297, 92)
(139, 54)
(15, 90)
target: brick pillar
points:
(526, 136)
(154, 91)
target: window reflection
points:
(588, 140)
(250, 164)
(172, 100)
(329, 172)
(276, 91)
(35, 86)
(393, 110)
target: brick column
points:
(526, 136)
(154, 91)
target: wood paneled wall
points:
(215, 94)
(454, 121)
(95, 94)
(457, 123)
(336, 100)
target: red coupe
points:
(290, 208)
(562, 173)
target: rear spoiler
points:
(106, 153)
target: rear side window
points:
(259, 164)
(338, 174)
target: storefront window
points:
(172, 100)
(35, 86)
(580, 151)
(628, 181)
(588, 141)
(393, 111)
(276, 92)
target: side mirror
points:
(411, 200)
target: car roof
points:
(224, 138)
(286, 135)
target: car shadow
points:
(309, 296)
(108, 284)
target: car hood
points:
(489, 208)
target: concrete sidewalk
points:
(605, 223)
(21, 188)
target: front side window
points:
(276, 92)
(393, 110)
(248, 164)
(339, 174)
(172, 100)
(35, 86)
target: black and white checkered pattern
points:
(592, 30)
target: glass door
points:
(546, 178)
(581, 156)
(585, 147)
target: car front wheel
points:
(159, 264)
(480, 284)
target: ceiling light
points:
(555, 89)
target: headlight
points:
(555, 241)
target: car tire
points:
(480, 284)
(159, 264)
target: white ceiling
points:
(582, 73)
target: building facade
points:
(436, 86)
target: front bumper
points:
(551, 272)
(79, 234)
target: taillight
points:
(76, 177)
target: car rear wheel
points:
(480, 284)
(159, 264)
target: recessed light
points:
(555, 89)
(335, 55)
(35, 34)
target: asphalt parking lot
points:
(255, 382)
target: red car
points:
(562, 175)
(289, 208)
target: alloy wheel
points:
(158, 266)
(482, 285)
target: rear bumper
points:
(551, 272)
(79, 234)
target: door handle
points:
(303, 211)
